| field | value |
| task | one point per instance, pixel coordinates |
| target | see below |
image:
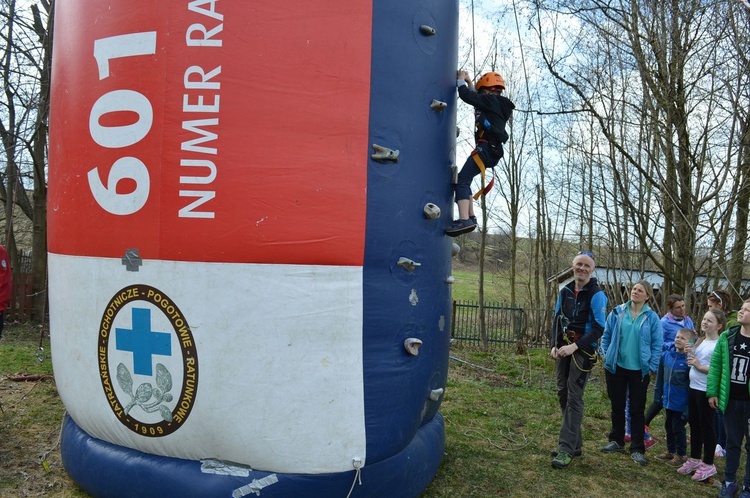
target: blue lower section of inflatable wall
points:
(106, 470)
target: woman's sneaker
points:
(719, 452)
(691, 466)
(639, 458)
(704, 472)
(612, 447)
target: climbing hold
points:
(412, 345)
(427, 30)
(383, 154)
(431, 211)
(436, 393)
(455, 249)
(450, 280)
(408, 264)
(438, 105)
(413, 297)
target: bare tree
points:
(26, 65)
(646, 72)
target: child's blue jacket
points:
(673, 381)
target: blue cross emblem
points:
(143, 342)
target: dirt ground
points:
(30, 462)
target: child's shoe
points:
(665, 457)
(677, 461)
(460, 227)
(627, 437)
(704, 472)
(729, 490)
(690, 466)
(719, 452)
(649, 442)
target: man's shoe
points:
(745, 492)
(460, 227)
(576, 453)
(638, 458)
(562, 460)
(728, 490)
(612, 447)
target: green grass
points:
(496, 286)
(500, 426)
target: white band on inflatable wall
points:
(298, 409)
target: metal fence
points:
(504, 324)
(21, 294)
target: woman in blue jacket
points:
(631, 346)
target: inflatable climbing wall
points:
(249, 277)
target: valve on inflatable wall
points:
(427, 30)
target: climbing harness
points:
(589, 356)
(486, 187)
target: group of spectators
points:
(701, 376)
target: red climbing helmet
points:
(489, 80)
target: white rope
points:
(357, 478)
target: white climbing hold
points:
(412, 345)
(383, 154)
(431, 211)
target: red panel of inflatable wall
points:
(176, 134)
